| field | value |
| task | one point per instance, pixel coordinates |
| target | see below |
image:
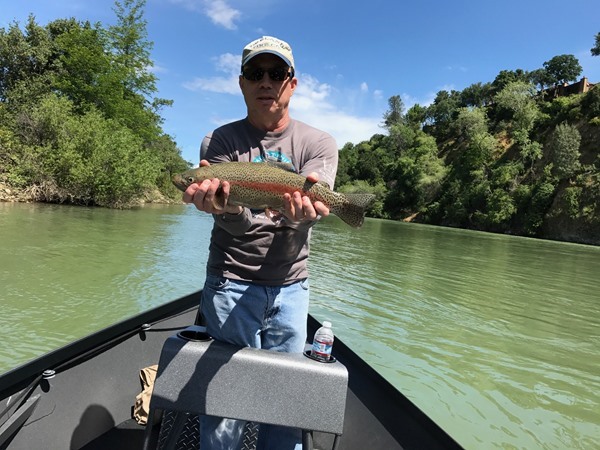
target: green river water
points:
(496, 337)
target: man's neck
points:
(270, 125)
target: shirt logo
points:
(275, 156)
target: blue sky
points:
(351, 56)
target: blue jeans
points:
(251, 315)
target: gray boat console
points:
(200, 376)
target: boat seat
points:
(201, 376)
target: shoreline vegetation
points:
(37, 194)
(80, 125)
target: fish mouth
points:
(179, 182)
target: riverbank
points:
(30, 195)
(8, 194)
(557, 227)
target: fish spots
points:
(264, 185)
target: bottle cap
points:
(326, 324)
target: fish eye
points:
(190, 180)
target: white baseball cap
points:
(268, 44)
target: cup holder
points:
(194, 335)
(308, 354)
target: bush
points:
(570, 201)
(590, 104)
(541, 200)
(564, 150)
(89, 159)
(565, 108)
(361, 186)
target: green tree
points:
(562, 69)
(536, 208)
(128, 39)
(85, 158)
(506, 77)
(415, 177)
(476, 95)
(442, 112)
(131, 52)
(475, 161)
(564, 150)
(395, 114)
(87, 75)
(500, 208)
(432, 169)
(518, 98)
(590, 103)
(530, 152)
(595, 50)
(416, 116)
(165, 149)
(540, 77)
(348, 159)
(26, 60)
(369, 166)
(470, 122)
(401, 137)
(80, 124)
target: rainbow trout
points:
(262, 186)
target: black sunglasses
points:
(275, 74)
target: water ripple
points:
(491, 335)
(495, 337)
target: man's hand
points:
(298, 207)
(203, 195)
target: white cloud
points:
(364, 87)
(228, 84)
(155, 68)
(457, 68)
(343, 127)
(191, 5)
(229, 63)
(409, 101)
(310, 91)
(312, 102)
(222, 14)
(219, 85)
(218, 11)
(447, 87)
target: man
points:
(256, 291)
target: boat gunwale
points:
(18, 378)
(363, 380)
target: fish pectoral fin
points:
(218, 201)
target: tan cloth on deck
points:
(141, 408)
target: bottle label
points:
(321, 349)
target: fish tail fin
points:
(352, 211)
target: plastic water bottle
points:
(322, 343)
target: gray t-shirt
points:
(250, 246)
